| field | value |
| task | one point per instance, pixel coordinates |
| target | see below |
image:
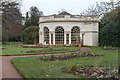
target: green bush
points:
(109, 31)
(30, 35)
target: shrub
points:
(73, 68)
(30, 35)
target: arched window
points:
(46, 35)
(59, 35)
(75, 35)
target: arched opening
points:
(46, 35)
(59, 35)
(75, 35)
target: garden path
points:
(9, 71)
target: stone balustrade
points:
(66, 18)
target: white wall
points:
(66, 25)
(90, 37)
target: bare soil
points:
(48, 50)
(68, 57)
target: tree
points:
(35, 15)
(30, 35)
(11, 21)
(109, 29)
(101, 8)
(31, 29)
(32, 17)
(27, 20)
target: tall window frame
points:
(75, 35)
(46, 35)
(59, 35)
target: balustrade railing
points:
(67, 17)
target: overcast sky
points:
(49, 7)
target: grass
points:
(16, 49)
(31, 67)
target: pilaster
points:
(54, 38)
(70, 37)
(64, 37)
(49, 38)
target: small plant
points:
(73, 68)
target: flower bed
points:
(48, 50)
(108, 48)
(34, 46)
(93, 72)
(69, 57)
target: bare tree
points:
(11, 19)
(101, 8)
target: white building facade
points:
(68, 29)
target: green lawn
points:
(16, 49)
(31, 67)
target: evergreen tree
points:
(27, 20)
(35, 15)
(31, 29)
(32, 17)
(109, 29)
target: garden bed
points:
(68, 57)
(33, 46)
(47, 50)
(109, 48)
(93, 72)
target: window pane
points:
(75, 35)
(59, 35)
(46, 35)
(67, 38)
(51, 38)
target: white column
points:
(42, 38)
(70, 37)
(54, 38)
(39, 37)
(81, 37)
(50, 38)
(64, 37)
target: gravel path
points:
(8, 70)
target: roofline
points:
(51, 21)
(74, 15)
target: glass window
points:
(46, 35)
(75, 35)
(59, 35)
(67, 38)
(51, 38)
